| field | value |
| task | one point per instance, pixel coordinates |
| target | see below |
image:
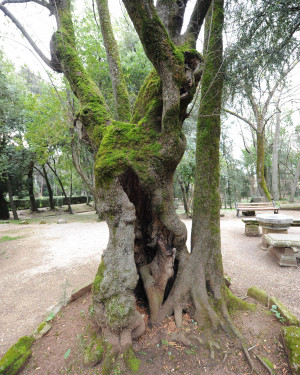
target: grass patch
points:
(8, 238)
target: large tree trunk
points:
(134, 169)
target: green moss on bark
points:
(126, 145)
(234, 303)
(131, 361)
(99, 277)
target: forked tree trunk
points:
(135, 164)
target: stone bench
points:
(248, 208)
(284, 247)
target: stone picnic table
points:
(273, 223)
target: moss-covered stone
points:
(234, 303)
(41, 330)
(16, 356)
(269, 363)
(131, 361)
(258, 294)
(290, 319)
(291, 340)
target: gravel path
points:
(42, 268)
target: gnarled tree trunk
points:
(135, 162)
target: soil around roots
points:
(160, 350)
(157, 349)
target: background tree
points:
(258, 62)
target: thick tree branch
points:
(241, 118)
(155, 39)
(117, 77)
(27, 36)
(172, 13)
(197, 19)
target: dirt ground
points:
(39, 270)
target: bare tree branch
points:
(275, 87)
(27, 36)
(42, 3)
(241, 118)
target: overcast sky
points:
(40, 26)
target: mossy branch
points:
(93, 113)
(121, 96)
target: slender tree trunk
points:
(68, 199)
(184, 196)
(89, 182)
(294, 183)
(275, 166)
(50, 191)
(4, 211)
(260, 165)
(33, 206)
(11, 199)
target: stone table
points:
(273, 223)
(284, 247)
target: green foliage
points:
(50, 317)
(67, 353)
(275, 311)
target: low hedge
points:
(24, 204)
